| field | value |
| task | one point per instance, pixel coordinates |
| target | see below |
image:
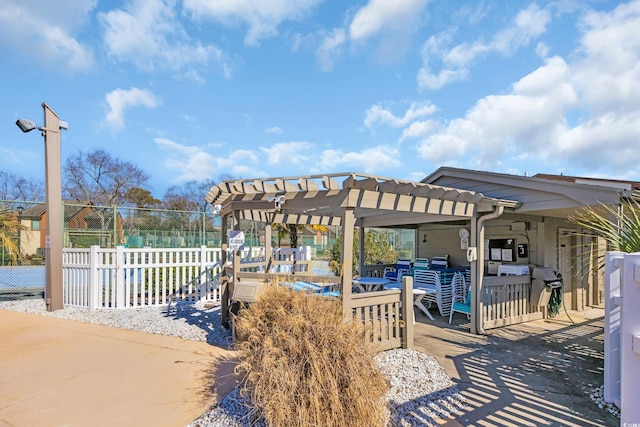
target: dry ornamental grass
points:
(304, 365)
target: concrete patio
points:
(56, 372)
(534, 374)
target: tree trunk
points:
(293, 235)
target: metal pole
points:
(53, 239)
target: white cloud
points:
(391, 24)
(378, 15)
(120, 99)
(371, 160)
(330, 48)
(273, 130)
(607, 77)
(609, 72)
(193, 163)
(44, 31)
(428, 80)
(147, 34)
(528, 24)
(529, 119)
(582, 114)
(262, 17)
(289, 153)
(542, 50)
(378, 114)
(419, 129)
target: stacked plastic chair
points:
(402, 268)
(461, 298)
(421, 264)
(430, 279)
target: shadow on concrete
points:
(218, 378)
(534, 374)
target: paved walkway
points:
(56, 372)
(533, 374)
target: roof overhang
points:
(322, 199)
(536, 196)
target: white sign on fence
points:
(236, 240)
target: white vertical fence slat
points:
(95, 289)
(120, 282)
(136, 277)
(612, 301)
(630, 339)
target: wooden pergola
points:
(351, 200)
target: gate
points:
(622, 334)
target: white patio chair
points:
(430, 280)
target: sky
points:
(194, 90)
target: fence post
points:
(612, 357)
(406, 297)
(94, 278)
(204, 281)
(120, 296)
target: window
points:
(35, 225)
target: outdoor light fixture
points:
(26, 125)
(53, 238)
(279, 201)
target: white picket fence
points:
(622, 334)
(123, 277)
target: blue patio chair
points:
(440, 262)
(402, 268)
(421, 264)
(461, 300)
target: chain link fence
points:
(111, 226)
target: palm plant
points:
(618, 225)
(9, 225)
(292, 230)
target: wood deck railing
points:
(506, 301)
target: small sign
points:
(47, 242)
(464, 243)
(523, 250)
(236, 240)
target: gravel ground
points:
(188, 321)
(421, 393)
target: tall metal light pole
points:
(53, 239)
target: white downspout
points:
(475, 301)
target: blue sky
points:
(196, 89)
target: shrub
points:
(303, 365)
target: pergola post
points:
(347, 224)
(361, 236)
(224, 293)
(268, 250)
(476, 276)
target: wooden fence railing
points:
(384, 314)
(506, 301)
